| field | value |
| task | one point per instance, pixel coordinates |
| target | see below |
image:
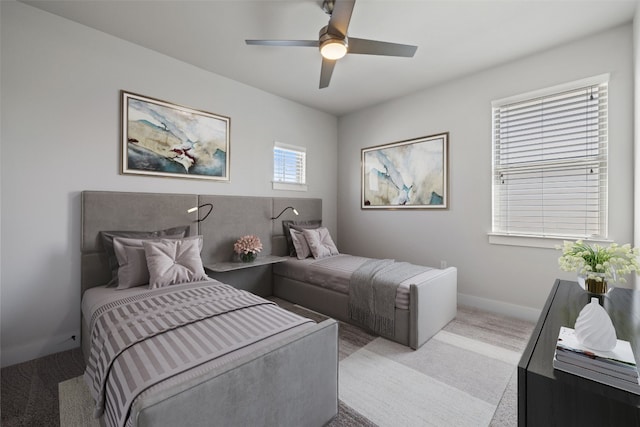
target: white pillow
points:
(320, 242)
(300, 243)
(174, 261)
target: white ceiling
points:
(454, 38)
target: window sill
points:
(535, 241)
(289, 186)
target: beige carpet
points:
(76, 404)
(464, 376)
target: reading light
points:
(195, 208)
(284, 210)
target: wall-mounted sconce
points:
(195, 208)
(284, 210)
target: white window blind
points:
(289, 164)
(550, 165)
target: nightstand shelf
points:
(223, 267)
(255, 276)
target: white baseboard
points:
(499, 307)
(22, 353)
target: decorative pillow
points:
(300, 243)
(132, 264)
(297, 225)
(320, 242)
(174, 261)
(108, 236)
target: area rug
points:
(464, 376)
(76, 404)
(451, 380)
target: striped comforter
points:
(140, 340)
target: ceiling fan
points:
(334, 43)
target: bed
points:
(224, 356)
(421, 301)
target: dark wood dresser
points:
(547, 397)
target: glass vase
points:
(596, 285)
(248, 257)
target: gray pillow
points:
(107, 242)
(174, 261)
(132, 263)
(297, 225)
(320, 243)
(300, 243)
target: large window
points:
(289, 167)
(550, 162)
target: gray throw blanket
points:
(372, 293)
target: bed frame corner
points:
(433, 304)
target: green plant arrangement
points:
(599, 263)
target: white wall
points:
(636, 69)
(514, 280)
(61, 135)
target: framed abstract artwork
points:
(410, 174)
(164, 139)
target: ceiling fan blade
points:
(326, 71)
(303, 43)
(374, 47)
(341, 15)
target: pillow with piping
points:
(300, 243)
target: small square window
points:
(289, 167)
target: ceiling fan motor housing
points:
(327, 6)
(332, 44)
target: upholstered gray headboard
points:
(235, 216)
(232, 217)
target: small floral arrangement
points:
(247, 244)
(597, 262)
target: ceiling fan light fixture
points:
(333, 49)
(333, 42)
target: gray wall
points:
(61, 135)
(513, 280)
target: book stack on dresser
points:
(616, 368)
